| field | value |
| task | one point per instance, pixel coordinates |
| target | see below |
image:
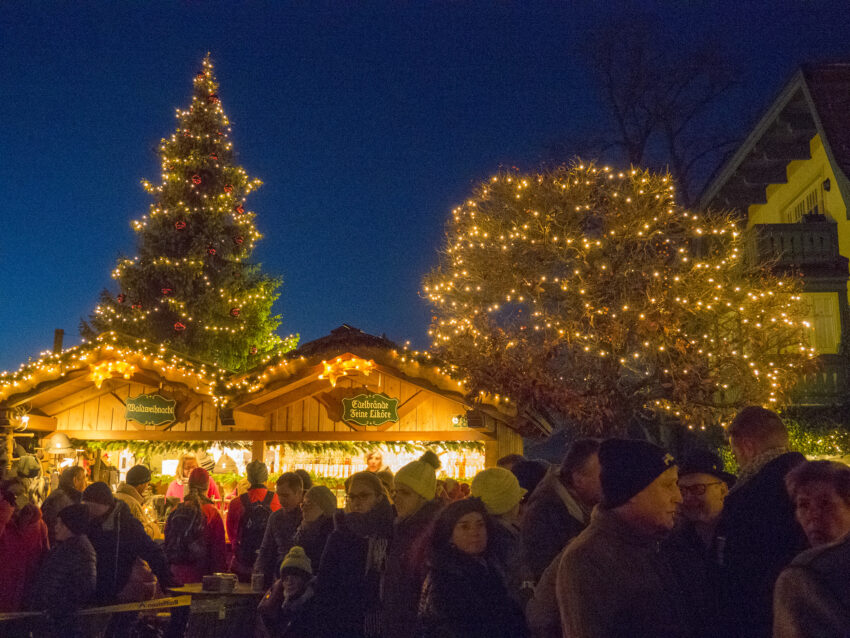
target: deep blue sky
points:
(367, 121)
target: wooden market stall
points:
(346, 387)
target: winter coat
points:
(130, 496)
(504, 548)
(216, 556)
(464, 597)
(812, 594)
(697, 576)
(296, 618)
(23, 545)
(612, 582)
(119, 539)
(405, 571)
(313, 537)
(277, 541)
(552, 517)
(56, 501)
(541, 611)
(349, 580)
(757, 537)
(234, 516)
(66, 579)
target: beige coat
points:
(812, 595)
(129, 495)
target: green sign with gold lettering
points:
(150, 409)
(370, 409)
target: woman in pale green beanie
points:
(416, 509)
(501, 494)
(288, 608)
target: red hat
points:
(199, 477)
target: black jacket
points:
(277, 541)
(756, 538)
(66, 579)
(313, 537)
(348, 584)
(464, 597)
(547, 525)
(405, 571)
(118, 540)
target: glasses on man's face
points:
(697, 489)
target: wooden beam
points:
(277, 387)
(73, 400)
(38, 422)
(408, 406)
(250, 421)
(314, 387)
(267, 435)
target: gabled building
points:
(789, 183)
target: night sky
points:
(367, 121)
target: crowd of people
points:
(620, 539)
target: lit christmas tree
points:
(589, 294)
(192, 285)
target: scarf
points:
(757, 464)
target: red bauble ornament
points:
(234, 312)
(210, 250)
(253, 350)
(166, 291)
(185, 133)
(121, 298)
(212, 98)
(239, 209)
(137, 305)
(219, 133)
(228, 188)
(179, 327)
(200, 76)
(196, 179)
(213, 156)
(238, 240)
(180, 225)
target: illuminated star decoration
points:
(346, 367)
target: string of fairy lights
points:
(605, 265)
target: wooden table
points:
(215, 614)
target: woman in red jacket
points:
(194, 533)
(23, 543)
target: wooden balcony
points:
(811, 246)
(828, 385)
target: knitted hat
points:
(421, 475)
(138, 475)
(705, 462)
(76, 518)
(498, 489)
(257, 473)
(386, 477)
(98, 492)
(199, 478)
(368, 478)
(298, 560)
(445, 523)
(323, 498)
(628, 466)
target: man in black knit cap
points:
(611, 579)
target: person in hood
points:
(119, 540)
(348, 584)
(464, 594)
(318, 508)
(758, 535)
(416, 509)
(501, 494)
(72, 482)
(247, 518)
(612, 582)
(23, 543)
(559, 509)
(177, 487)
(67, 577)
(194, 533)
(132, 492)
(288, 609)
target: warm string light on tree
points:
(589, 293)
(192, 284)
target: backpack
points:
(252, 527)
(185, 536)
